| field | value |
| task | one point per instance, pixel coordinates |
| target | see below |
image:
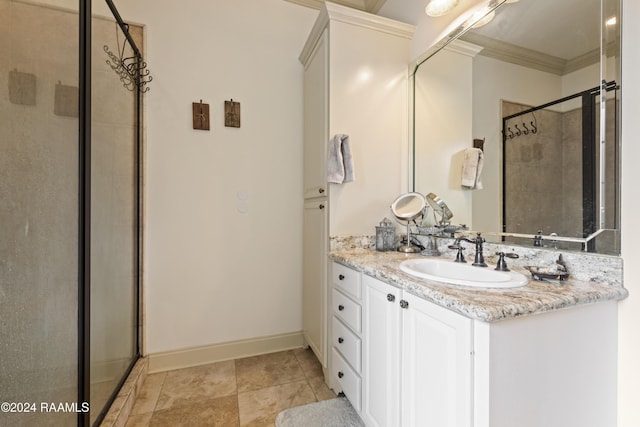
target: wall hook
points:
(535, 129)
(526, 129)
(518, 131)
(511, 135)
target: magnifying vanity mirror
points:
(406, 208)
(441, 211)
(539, 85)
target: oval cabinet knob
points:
(341, 277)
(340, 340)
(321, 206)
(340, 307)
(391, 297)
(404, 304)
(340, 374)
(321, 190)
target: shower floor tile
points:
(243, 392)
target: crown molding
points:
(335, 12)
(317, 4)
(513, 54)
(352, 16)
(582, 61)
(529, 58)
(371, 6)
(463, 48)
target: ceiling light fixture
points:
(485, 20)
(440, 7)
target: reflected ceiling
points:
(519, 30)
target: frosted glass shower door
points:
(39, 204)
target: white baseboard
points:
(184, 358)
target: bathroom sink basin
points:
(462, 274)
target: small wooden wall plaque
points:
(200, 116)
(232, 114)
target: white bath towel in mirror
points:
(472, 163)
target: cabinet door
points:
(381, 364)
(436, 366)
(315, 119)
(314, 277)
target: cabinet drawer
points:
(315, 191)
(347, 310)
(346, 279)
(348, 381)
(347, 343)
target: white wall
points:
(629, 316)
(443, 128)
(213, 273)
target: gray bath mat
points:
(328, 413)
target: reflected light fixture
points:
(611, 21)
(484, 21)
(440, 7)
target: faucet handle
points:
(459, 255)
(537, 240)
(502, 264)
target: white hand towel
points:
(340, 160)
(472, 168)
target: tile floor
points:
(241, 392)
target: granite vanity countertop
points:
(484, 304)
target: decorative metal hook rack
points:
(132, 70)
(510, 134)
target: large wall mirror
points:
(538, 87)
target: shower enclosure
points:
(551, 155)
(69, 214)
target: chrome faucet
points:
(478, 241)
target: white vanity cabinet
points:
(355, 83)
(417, 350)
(314, 277)
(407, 361)
(381, 364)
(346, 334)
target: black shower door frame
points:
(84, 217)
